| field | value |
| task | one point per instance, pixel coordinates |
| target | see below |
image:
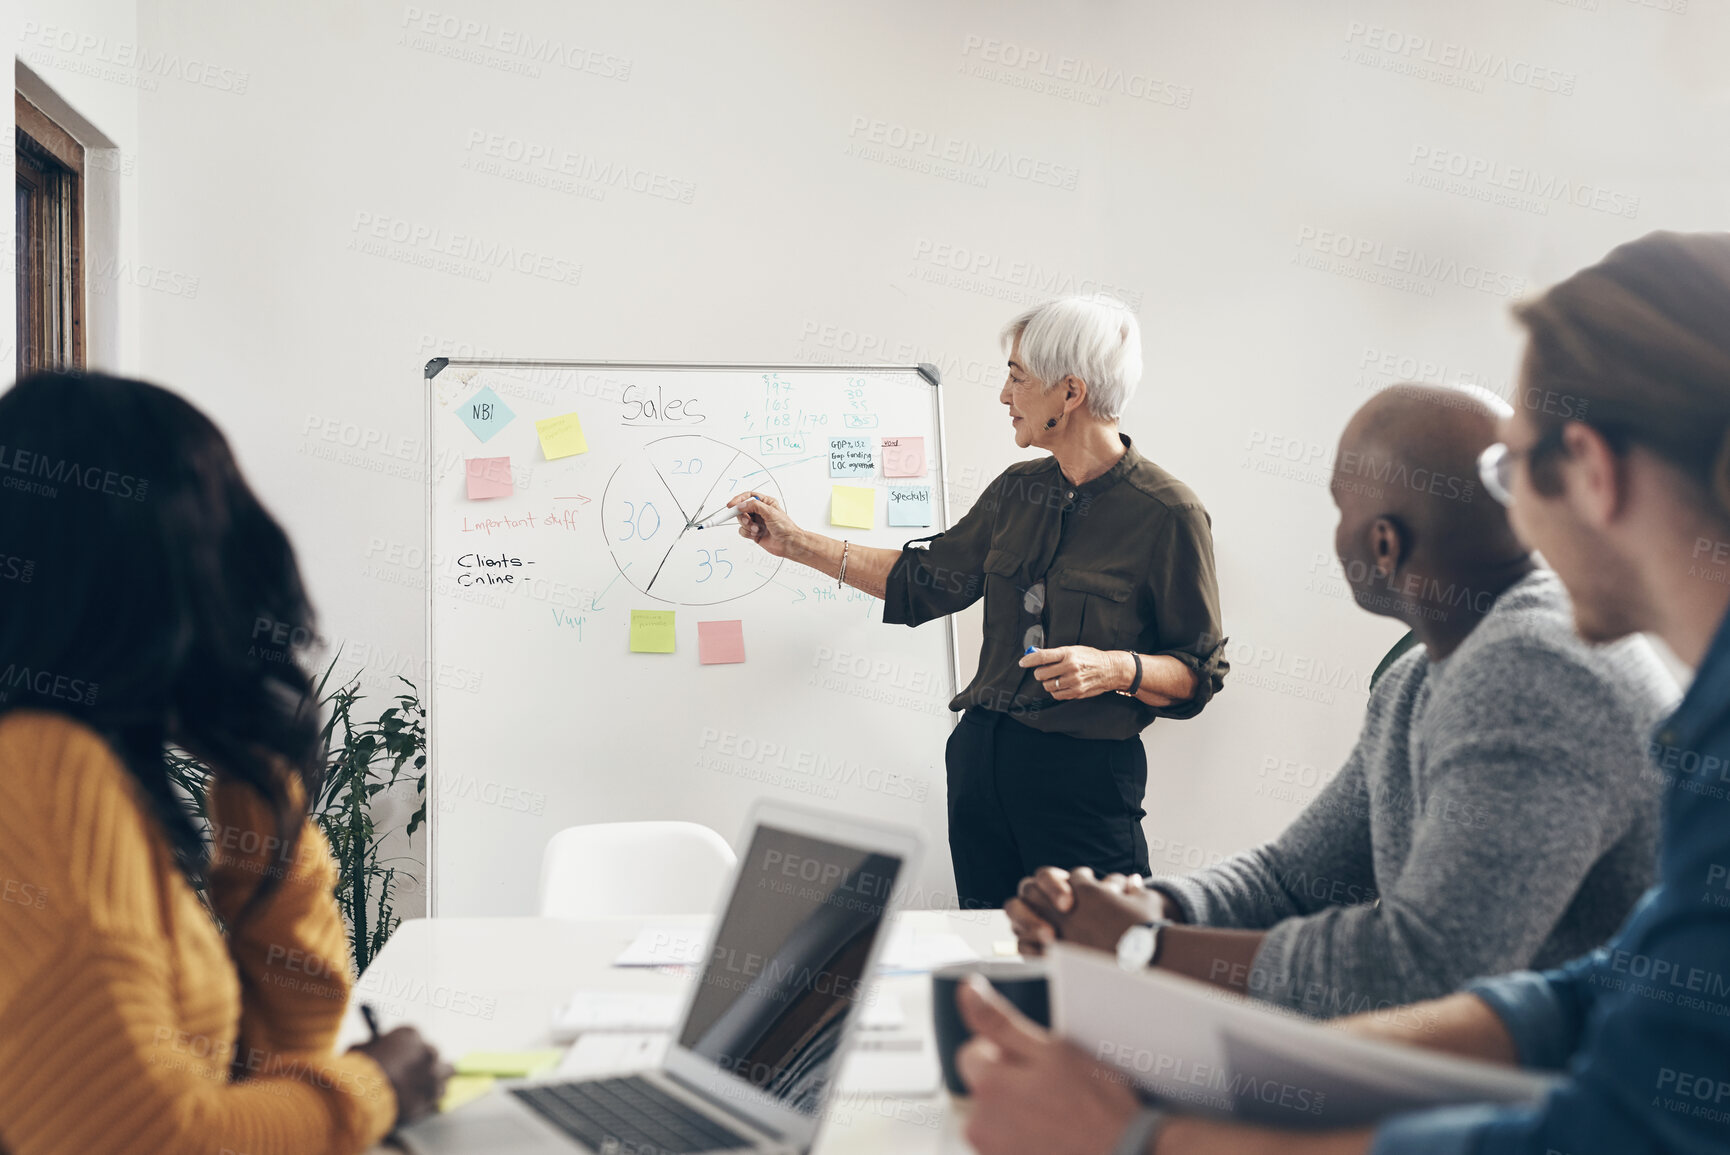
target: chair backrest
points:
(642, 868)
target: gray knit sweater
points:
(1494, 815)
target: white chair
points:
(640, 868)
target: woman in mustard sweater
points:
(136, 567)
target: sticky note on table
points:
(461, 1090)
(903, 457)
(509, 1064)
(910, 505)
(651, 631)
(489, 477)
(561, 436)
(853, 505)
(851, 457)
(720, 643)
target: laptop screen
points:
(788, 963)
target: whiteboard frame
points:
(438, 365)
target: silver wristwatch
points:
(1138, 947)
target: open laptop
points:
(757, 1051)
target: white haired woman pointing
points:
(1101, 610)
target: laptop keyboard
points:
(632, 1113)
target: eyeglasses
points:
(1496, 464)
(1033, 603)
(1496, 471)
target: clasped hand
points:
(1077, 907)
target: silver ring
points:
(1056, 683)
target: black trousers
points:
(1021, 798)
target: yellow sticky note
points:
(561, 436)
(508, 1064)
(651, 631)
(461, 1090)
(854, 506)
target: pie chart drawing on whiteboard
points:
(651, 509)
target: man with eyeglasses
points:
(1624, 497)
(1495, 812)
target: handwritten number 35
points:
(707, 564)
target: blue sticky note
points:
(851, 457)
(910, 505)
(484, 413)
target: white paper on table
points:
(602, 1011)
(603, 1053)
(660, 946)
(1214, 1053)
(873, 1066)
(915, 950)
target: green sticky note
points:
(561, 436)
(651, 631)
(461, 1090)
(854, 506)
(508, 1064)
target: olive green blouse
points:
(1124, 562)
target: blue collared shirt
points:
(1642, 1026)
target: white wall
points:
(1243, 140)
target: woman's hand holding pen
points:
(412, 1065)
(762, 519)
(1068, 672)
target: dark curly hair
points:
(163, 604)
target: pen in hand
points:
(371, 1017)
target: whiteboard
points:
(541, 716)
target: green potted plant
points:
(363, 758)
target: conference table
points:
(494, 984)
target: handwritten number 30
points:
(634, 521)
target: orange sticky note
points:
(720, 643)
(489, 477)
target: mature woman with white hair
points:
(1101, 610)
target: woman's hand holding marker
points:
(1069, 672)
(762, 519)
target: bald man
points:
(1494, 815)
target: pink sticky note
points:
(720, 643)
(489, 477)
(904, 457)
